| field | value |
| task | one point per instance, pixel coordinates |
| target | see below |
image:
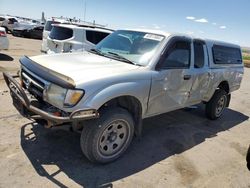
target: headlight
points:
(62, 97)
(72, 97)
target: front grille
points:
(32, 84)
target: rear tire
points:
(217, 104)
(105, 139)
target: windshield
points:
(137, 47)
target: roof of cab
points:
(167, 34)
(158, 32)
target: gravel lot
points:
(177, 149)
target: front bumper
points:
(23, 103)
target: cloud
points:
(189, 32)
(223, 27)
(190, 18)
(214, 23)
(156, 26)
(202, 20)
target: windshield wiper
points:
(122, 58)
(96, 51)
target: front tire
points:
(217, 104)
(105, 139)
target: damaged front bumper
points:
(27, 108)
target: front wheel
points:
(105, 139)
(217, 104)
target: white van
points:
(69, 38)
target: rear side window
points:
(226, 55)
(60, 33)
(95, 36)
(48, 25)
(198, 55)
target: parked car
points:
(130, 75)
(8, 23)
(69, 38)
(35, 32)
(47, 29)
(4, 41)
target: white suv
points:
(8, 22)
(69, 38)
(47, 29)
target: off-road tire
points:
(212, 105)
(92, 134)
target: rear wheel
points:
(106, 139)
(217, 104)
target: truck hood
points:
(83, 66)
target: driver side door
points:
(172, 80)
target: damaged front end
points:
(28, 99)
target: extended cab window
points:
(95, 36)
(177, 56)
(198, 55)
(226, 55)
(61, 33)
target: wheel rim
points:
(220, 105)
(114, 138)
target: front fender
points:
(139, 90)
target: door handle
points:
(187, 77)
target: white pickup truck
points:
(130, 75)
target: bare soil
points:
(177, 149)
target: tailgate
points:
(55, 46)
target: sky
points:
(227, 20)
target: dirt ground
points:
(177, 149)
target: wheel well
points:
(225, 86)
(132, 105)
